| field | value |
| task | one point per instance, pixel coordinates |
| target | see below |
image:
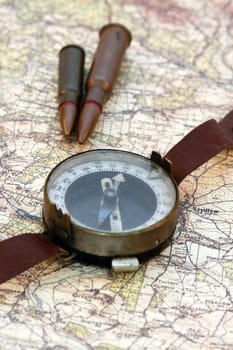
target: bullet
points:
(114, 39)
(70, 81)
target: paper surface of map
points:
(177, 73)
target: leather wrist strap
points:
(201, 144)
(19, 253)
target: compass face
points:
(112, 191)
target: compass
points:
(114, 207)
(111, 204)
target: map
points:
(176, 74)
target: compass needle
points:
(108, 201)
(105, 209)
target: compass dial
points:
(112, 191)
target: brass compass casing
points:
(104, 245)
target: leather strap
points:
(200, 145)
(19, 253)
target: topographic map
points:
(176, 74)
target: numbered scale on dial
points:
(110, 203)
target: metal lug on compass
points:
(125, 264)
(163, 162)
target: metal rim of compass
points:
(101, 247)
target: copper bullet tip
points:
(88, 117)
(68, 115)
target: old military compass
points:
(111, 204)
(114, 207)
